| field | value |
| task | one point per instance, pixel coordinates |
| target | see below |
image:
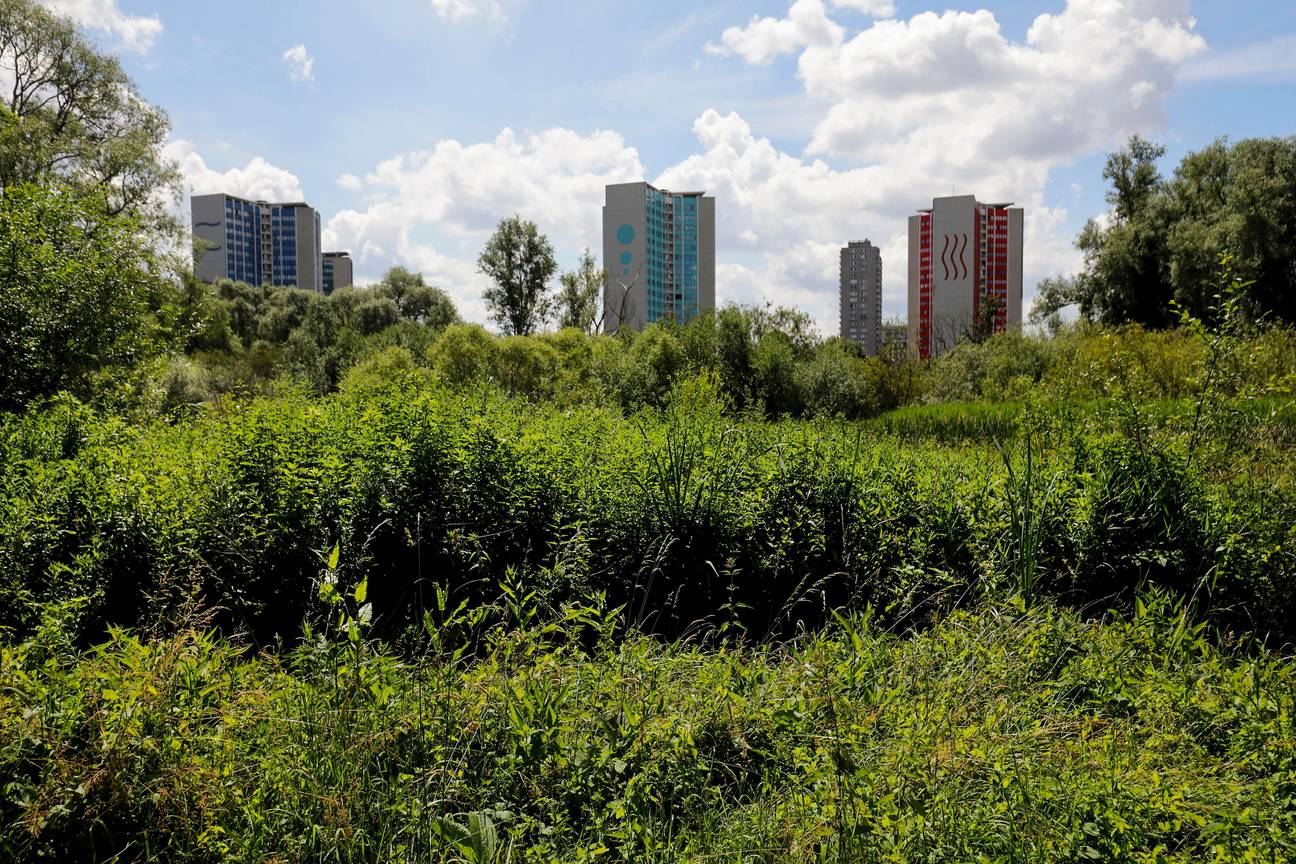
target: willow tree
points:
(70, 114)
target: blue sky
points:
(814, 122)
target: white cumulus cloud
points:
(350, 182)
(459, 192)
(806, 23)
(257, 180)
(876, 8)
(301, 65)
(917, 107)
(135, 32)
(1271, 60)
(763, 39)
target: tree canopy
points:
(579, 299)
(71, 113)
(1163, 239)
(519, 261)
(76, 292)
(415, 300)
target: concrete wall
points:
(954, 263)
(625, 301)
(343, 270)
(310, 273)
(860, 295)
(1016, 240)
(706, 255)
(208, 216)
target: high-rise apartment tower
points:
(338, 271)
(257, 242)
(861, 295)
(965, 272)
(659, 251)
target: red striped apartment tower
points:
(965, 272)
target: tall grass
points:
(1002, 735)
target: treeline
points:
(768, 362)
(1157, 251)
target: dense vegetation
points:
(1005, 736)
(681, 512)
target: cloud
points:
(301, 65)
(788, 216)
(907, 109)
(135, 32)
(455, 11)
(876, 8)
(1083, 79)
(806, 23)
(433, 209)
(763, 39)
(258, 180)
(895, 112)
(350, 182)
(1272, 60)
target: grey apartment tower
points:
(659, 252)
(338, 271)
(861, 295)
(257, 242)
(965, 272)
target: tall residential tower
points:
(861, 295)
(965, 272)
(257, 242)
(659, 251)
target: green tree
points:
(734, 354)
(72, 113)
(526, 366)
(1163, 240)
(582, 289)
(774, 365)
(1237, 200)
(76, 294)
(520, 263)
(1126, 273)
(416, 300)
(464, 354)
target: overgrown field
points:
(419, 622)
(686, 516)
(1001, 736)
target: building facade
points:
(257, 242)
(338, 271)
(965, 272)
(659, 252)
(861, 295)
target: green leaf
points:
(484, 837)
(362, 590)
(333, 556)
